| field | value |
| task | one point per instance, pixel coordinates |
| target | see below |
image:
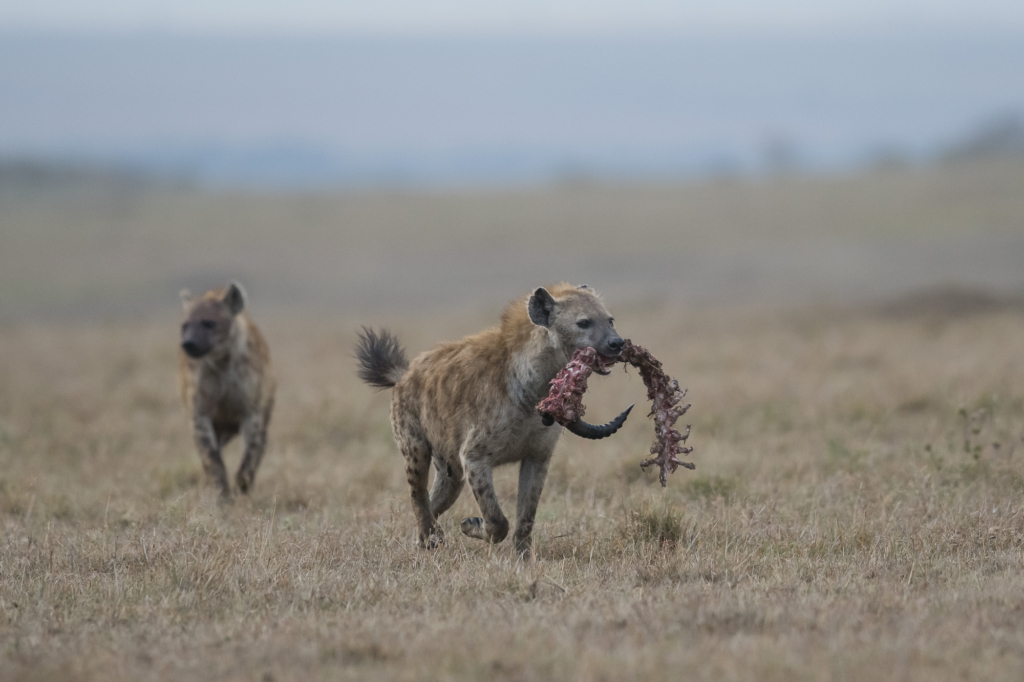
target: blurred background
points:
(366, 159)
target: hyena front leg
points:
(493, 527)
(254, 432)
(532, 474)
(209, 453)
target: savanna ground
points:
(856, 512)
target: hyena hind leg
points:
(493, 527)
(449, 480)
(417, 471)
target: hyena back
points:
(226, 382)
(468, 406)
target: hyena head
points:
(577, 317)
(210, 319)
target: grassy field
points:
(776, 241)
(856, 512)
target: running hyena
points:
(470, 405)
(226, 382)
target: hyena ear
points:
(235, 298)
(186, 298)
(541, 307)
(583, 286)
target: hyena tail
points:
(381, 358)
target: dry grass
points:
(855, 514)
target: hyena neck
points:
(532, 367)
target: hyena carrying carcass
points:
(470, 405)
(226, 382)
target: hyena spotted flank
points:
(226, 382)
(469, 406)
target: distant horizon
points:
(294, 111)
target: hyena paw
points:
(474, 528)
(433, 540)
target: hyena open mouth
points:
(564, 404)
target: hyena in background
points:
(470, 405)
(226, 382)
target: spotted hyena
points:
(469, 406)
(226, 381)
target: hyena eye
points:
(184, 326)
(611, 321)
(208, 324)
(583, 324)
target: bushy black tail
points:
(381, 358)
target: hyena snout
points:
(612, 346)
(194, 349)
(200, 336)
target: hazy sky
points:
(476, 16)
(643, 86)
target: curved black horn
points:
(585, 430)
